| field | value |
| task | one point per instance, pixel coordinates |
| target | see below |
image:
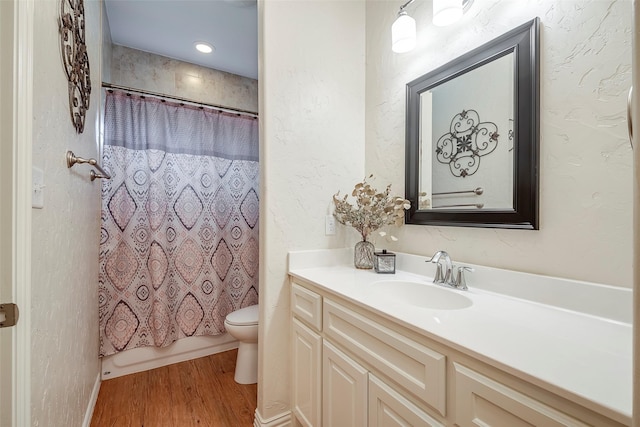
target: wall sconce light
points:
(403, 31)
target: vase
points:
(363, 254)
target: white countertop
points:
(583, 357)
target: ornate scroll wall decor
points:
(76, 59)
(466, 142)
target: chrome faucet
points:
(446, 277)
(442, 277)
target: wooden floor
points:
(198, 392)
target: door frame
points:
(20, 200)
(635, 119)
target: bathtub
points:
(146, 358)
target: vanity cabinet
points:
(353, 366)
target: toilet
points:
(243, 326)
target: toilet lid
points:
(244, 316)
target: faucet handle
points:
(461, 282)
(439, 277)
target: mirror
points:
(472, 137)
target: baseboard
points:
(281, 420)
(92, 402)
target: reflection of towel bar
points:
(478, 191)
(464, 205)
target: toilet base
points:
(247, 363)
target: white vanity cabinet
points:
(353, 366)
(333, 388)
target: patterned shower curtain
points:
(179, 236)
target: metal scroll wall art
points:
(467, 141)
(75, 58)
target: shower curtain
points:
(179, 235)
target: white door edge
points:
(635, 118)
(22, 140)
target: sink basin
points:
(423, 295)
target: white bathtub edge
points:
(146, 358)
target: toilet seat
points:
(247, 316)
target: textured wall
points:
(107, 47)
(585, 156)
(142, 70)
(65, 234)
(312, 144)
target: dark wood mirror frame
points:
(524, 42)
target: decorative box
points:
(384, 262)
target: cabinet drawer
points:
(388, 408)
(483, 401)
(417, 368)
(306, 305)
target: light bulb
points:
(203, 47)
(446, 12)
(403, 33)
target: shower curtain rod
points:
(179, 99)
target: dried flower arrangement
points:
(373, 209)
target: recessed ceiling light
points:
(203, 47)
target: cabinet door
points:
(482, 401)
(388, 408)
(307, 375)
(344, 391)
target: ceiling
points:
(171, 27)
